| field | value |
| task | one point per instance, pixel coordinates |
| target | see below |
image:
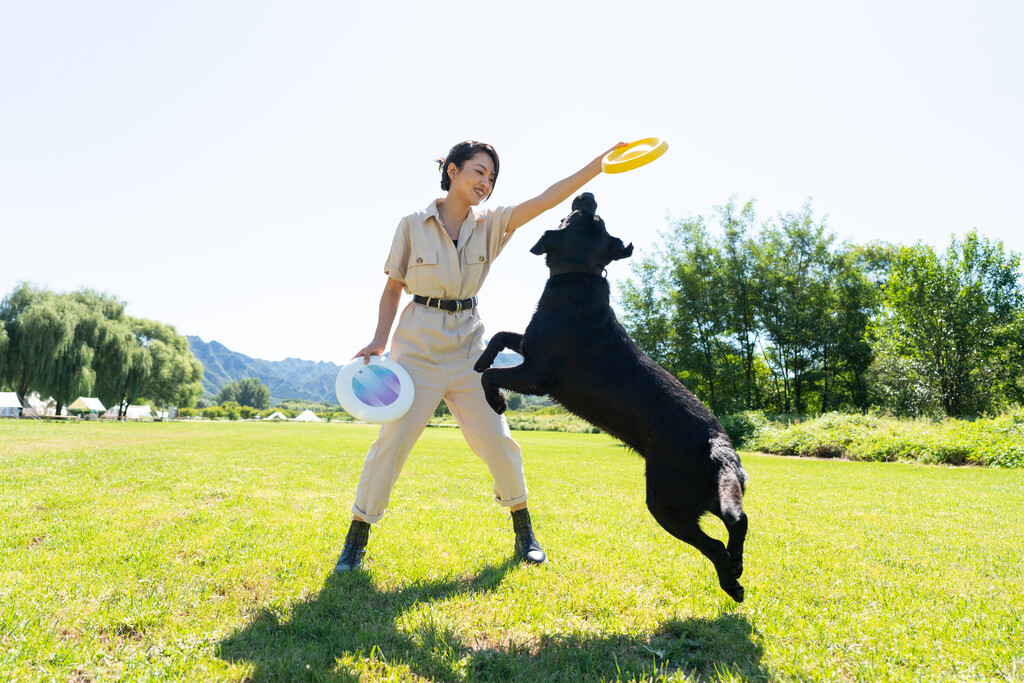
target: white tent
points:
(35, 406)
(10, 406)
(91, 405)
(307, 416)
(276, 415)
(132, 413)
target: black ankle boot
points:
(527, 546)
(355, 547)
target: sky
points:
(238, 169)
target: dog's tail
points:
(732, 480)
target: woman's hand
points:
(611, 149)
(374, 348)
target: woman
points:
(441, 256)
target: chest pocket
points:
(476, 256)
(475, 268)
(421, 274)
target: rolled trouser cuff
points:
(507, 503)
(368, 518)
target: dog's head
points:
(581, 240)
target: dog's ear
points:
(541, 247)
(618, 251)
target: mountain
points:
(288, 378)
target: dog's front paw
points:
(482, 363)
(735, 591)
(496, 400)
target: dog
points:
(576, 352)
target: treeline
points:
(248, 391)
(783, 318)
(70, 344)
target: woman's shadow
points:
(351, 626)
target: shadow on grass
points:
(349, 628)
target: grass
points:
(202, 551)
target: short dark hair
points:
(460, 154)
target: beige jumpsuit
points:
(438, 349)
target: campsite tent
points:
(132, 413)
(91, 405)
(10, 406)
(276, 415)
(35, 406)
(307, 416)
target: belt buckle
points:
(438, 306)
(458, 305)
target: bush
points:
(213, 413)
(993, 441)
(742, 427)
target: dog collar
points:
(593, 270)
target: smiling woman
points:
(441, 256)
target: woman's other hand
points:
(374, 348)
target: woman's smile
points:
(475, 179)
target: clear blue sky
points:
(238, 169)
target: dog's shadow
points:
(350, 625)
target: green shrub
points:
(991, 441)
(743, 426)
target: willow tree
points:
(176, 378)
(40, 336)
(69, 373)
(112, 361)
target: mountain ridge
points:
(289, 378)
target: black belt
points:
(445, 304)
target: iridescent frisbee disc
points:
(378, 391)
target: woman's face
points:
(475, 179)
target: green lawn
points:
(203, 551)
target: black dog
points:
(577, 352)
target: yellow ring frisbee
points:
(633, 155)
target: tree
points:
(645, 314)
(176, 376)
(39, 334)
(699, 312)
(70, 373)
(249, 391)
(740, 291)
(950, 322)
(793, 265)
(777, 320)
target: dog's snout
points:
(585, 203)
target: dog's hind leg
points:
(737, 535)
(520, 378)
(730, 511)
(689, 531)
(499, 342)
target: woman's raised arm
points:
(556, 194)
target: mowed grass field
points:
(191, 551)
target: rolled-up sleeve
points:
(497, 224)
(398, 258)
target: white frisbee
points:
(380, 391)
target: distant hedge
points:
(991, 442)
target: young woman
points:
(441, 256)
